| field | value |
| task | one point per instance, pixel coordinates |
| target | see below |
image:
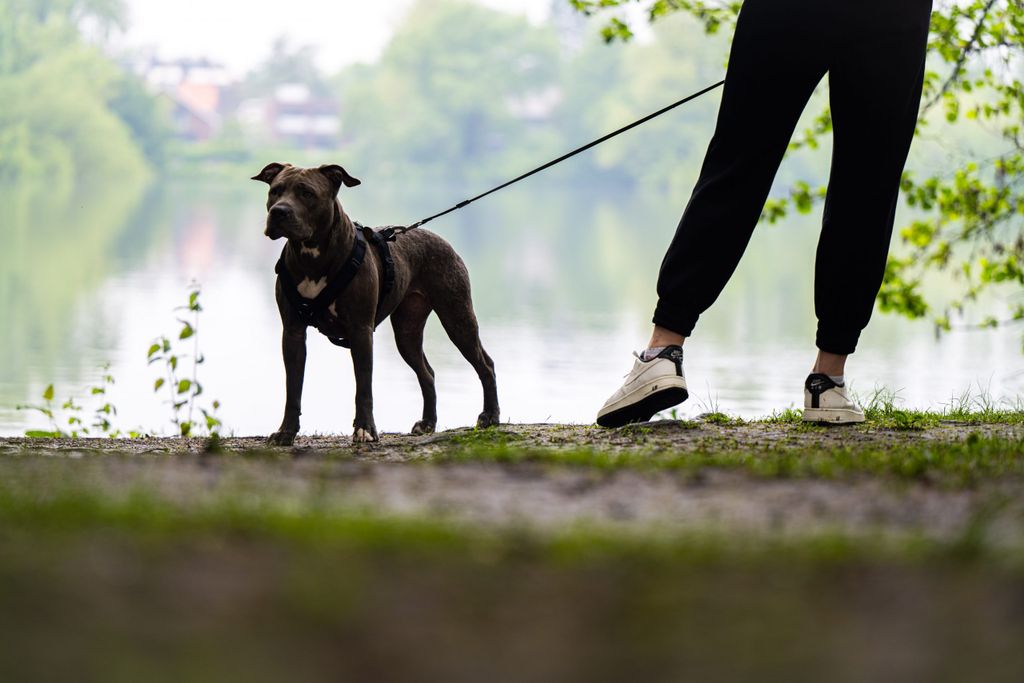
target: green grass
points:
(719, 418)
(951, 463)
(485, 437)
(789, 416)
(144, 590)
(70, 509)
(881, 409)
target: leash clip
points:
(391, 233)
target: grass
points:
(954, 464)
(881, 409)
(145, 591)
(116, 566)
(70, 509)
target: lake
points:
(563, 279)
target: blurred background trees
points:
(69, 112)
(464, 95)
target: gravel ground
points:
(398, 477)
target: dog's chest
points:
(310, 288)
(332, 324)
(328, 321)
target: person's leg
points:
(779, 54)
(875, 91)
(778, 57)
(875, 78)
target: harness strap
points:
(308, 310)
(388, 282)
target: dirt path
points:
(456, 476)
(696, 435)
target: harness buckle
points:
(306, 312)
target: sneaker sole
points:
(835, 416)
(644, 409)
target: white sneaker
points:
(826, 401)
(651, 387)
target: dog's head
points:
(301, 199)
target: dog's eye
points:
(307, 193)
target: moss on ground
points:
(951, 463)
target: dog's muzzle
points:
(280, 222)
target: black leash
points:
(391, 232)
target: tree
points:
(450, 90)
(69, 114)
(968, 223)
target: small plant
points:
(787, 416)
(184, 388)
(66, 419)
(720, 418)
(881, 409)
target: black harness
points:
(310, 311)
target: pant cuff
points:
(839, 342)
(674, 320)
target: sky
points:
(238, 33)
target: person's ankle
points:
(831, 364)
(662, 337)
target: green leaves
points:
(184, 391)
(42, 434)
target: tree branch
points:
(962, 59)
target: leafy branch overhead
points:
(966, 214)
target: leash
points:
(391, 232)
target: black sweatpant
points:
(873, 52)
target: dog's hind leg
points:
(459, 321)
(408, 321)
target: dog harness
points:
(310, 311)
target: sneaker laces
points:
(639, 358)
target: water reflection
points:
(563, 282)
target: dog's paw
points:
(282, 438)
(423, 427)
(364, 435)
(488, 420)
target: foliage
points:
(968, 222)
(955, 464)
(69, 112)
(184, 389)
(66, 419)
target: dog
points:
(345, 279)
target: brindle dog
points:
(303, 207)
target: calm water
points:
(563, 282)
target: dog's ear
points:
(338, 176)
(269, 172)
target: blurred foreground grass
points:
(262, 565)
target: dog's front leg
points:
(293, 347)
(362, 363)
